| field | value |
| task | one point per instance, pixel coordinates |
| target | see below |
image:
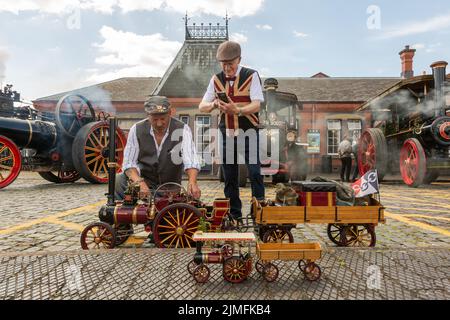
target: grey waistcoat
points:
(154, 170)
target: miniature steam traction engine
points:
(63, 147)
(411, 133)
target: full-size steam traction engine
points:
(412, 129)
(169, 214)
(61, 147)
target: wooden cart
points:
(305, 253)
(347, 225)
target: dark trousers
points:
(231, 172)
(356, 169)
(346, 168)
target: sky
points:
(51, 46)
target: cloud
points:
(237, 8)
(125, 54)
(300, 34)
(239, 38)
(433, 24)
(428, 48)
(264, 27)
(3, 57)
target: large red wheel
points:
(235, 270)
(10, 162)
(175, 225)
(372, 153)
(90, 151)
(413, 163)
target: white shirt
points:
(256, 92)
(188, 151)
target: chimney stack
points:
(407, 57)
(439, 75)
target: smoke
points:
(99, 98)
(3, 57)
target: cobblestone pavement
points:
(413, 250)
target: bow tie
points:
(230, 78)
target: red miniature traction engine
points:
(169, 214)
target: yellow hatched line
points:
(429, 202)
(426, 217)
(66, 224)
(133, 240)
(417, 224)
(51, 219)
(418, 209)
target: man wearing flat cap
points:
(148, 159)
(238, 113)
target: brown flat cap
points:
(157, 105)
(228, 50)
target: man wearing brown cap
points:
(149, 153)
(237, 93)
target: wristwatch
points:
(240, 112)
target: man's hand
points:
(194, 190)
(228, 108)
(144, 190)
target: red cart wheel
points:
(235, 270)
(175, 225)
(259, 266)
(413, 163)
(90, 151)
(372, 152)
(191, 267)
(278, 236)
(10, 162)
(98, 235)
(201, 273)
(312, 272)
(227, 250)
(270, 272)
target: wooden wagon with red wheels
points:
(62, 147)
(227, 249)
(347, 226)
(411, 134)
(305, 253)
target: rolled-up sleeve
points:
(131, 152)
(256, 92)
(188, 151)
(210, 94)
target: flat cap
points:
(228, 50)
(157, 105)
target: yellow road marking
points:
(417, 200)
(425, 217)
(66, 224)
(51, 218)
(417, 224)
(418, 209)
(133, 240)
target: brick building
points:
(329, 103)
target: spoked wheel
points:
(372, 153)
(201, 273)
(312, 272)
(235, 270)
(10, 162)
(169, 193)
(61, 176)
(227, 250)
(302, 265)
(72, 112)
(90, 151)
(270, 272)
(191, 267)
(259, 266)
(337, 234)
(175, 225)
(413, 163)
(278, 236)
(123, 232)
(359, 235)
(98, 235)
